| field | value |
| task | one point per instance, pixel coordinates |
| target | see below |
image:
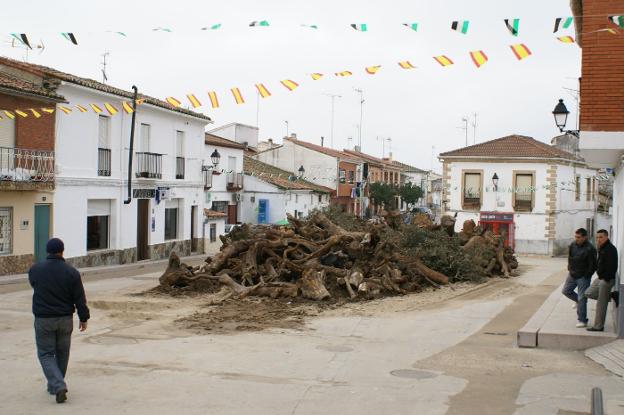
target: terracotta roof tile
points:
(279, 177)
(325, 150)
(371, 159)
(214, 214)
(21, 85)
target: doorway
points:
(143, 213)
(193, 228)
(232, 214)
(42, 231)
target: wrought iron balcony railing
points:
(234, 181)
(21, 165)
(149, 165)
(104, 162)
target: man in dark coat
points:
(581, 267)
(601, 287)
(58, 292)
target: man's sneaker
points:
(594, 329)
(61, 396)
(580, 325)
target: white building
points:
(534, 193)
(271, 193)
(246, 135)
(90, 210)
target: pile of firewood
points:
(314, 259)
(489, 248)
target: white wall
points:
(239, 133)
(618, 217)
(218, 191)
(211, 248)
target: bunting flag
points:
(22, 38)
(372, 70)
(127, 107)
(110, 108)
(259, 23)
(140, 101)
(316, 76)
(344, 73)
(360, 27)
(70, 37)
(478, 57)
(65, 109)
(213, 99)
(21, 113)
(566, 39)
(290, 85)
(48, 110)
(310, 26)
(173, 102)
(460, 26)
(413, 26)
(618, 20)
(122, 34)
(193, 100)
(81, 108)
(406, 65)
(567, 21)
(95, 108)
(521, 51)
(512, 26)
(264, 93)
(213, 27)
(35, 113)
(9, 114)
(237, 96)
(162, 29)
(443, 60)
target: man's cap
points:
(55, 246)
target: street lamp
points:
(215, 157)
(561, 118)
(495, 182)
(301, 172)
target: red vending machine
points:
(500, 223)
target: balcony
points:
(234, 181)
(207, 173)
(104, 162)
(18, 165)
(180, 162)
(149, 165)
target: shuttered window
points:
(472, 190)
(145, 138)
(524, 192)
(104, 132)
(7, 133)
(179, 143)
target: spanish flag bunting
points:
(478, 57)
(406, 65)
(618, 20)
(95, 108)
(413, 26)
(264, 93)
(173, 102)
(316, 76)
(35, 113)
(65, 109)
(193, 100)
(48, 110)
(567, 21)
(81, 108)
(127, 107)
(443, 60)
(21, 113)
(140, 101)
(213, 99)
(290, 85)
(566, 39)
(344, 73)
(70, 37)
(237, 96)
(22, 38)
(521, 51)
(9, 114)
(162, 29)
(460, 26)
(110, 108)
(360, 27)
(372, 70)
(512, 26)
(213, 27)
(310, 26)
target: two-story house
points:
(26, 168)
(532, 193)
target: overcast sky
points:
(417, 108)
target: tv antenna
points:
(104, 56)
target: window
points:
(471, 190)
(6, 225)
(593, 198)
(144, 145)
(296, 198)
(180, 161)
(171, 223)
(523, 191)
(343, 176)
(7, 133)
(98, 224)
(577, 189)
(351, 176)
(220, 206)
(213, 232)
(103, 131)
(320, 198)
(588, 189)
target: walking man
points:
(58, 292)
(601, 288)
(581, 267)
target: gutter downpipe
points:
(131, 152)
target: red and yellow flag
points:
(81, 108)
(237, 96)
(290, 85)
(344, 73)
(213, 99)
(566, 39)
(193, 100)
(478, 57)
(316, 76)
(21, 113)
(264, 93)
(127, 107)
(110, 108)
(520, 50)
(95, 108)
(65, 109)
(35, 113)
(9, 114)
(443, 60)
(48, 110)
(140, 101)
(406, 65)
(372, 70)
(173, 102)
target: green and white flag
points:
(213, 27)
(618, 20)
(70, 37)
(311, 26)
(567, 21)
(259, 23)
(460, 26)
(512, 26)
(413, 26)
(361, 27)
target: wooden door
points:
(193, 226)
(143, 214)
(232, 214)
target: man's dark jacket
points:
(581, 260)
(58, 289)
(607, 261)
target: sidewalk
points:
(142, 267)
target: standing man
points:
(601, 288)
(581, 267)
(58, 292)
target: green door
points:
(42, 230)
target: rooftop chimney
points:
(390, 155)
(357, 149)
(293, 136)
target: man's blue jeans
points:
(53, 337)
(581, 284)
